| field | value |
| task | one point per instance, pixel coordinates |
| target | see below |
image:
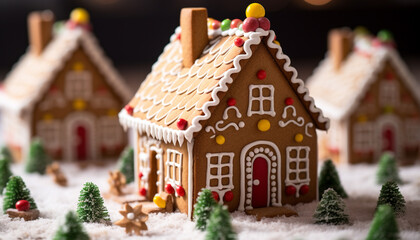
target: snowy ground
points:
(359, 181)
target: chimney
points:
(340, 45)
(194, 36)
(40, 26)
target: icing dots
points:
(238, 42)
(263, 125)
(182, 124)
(288, 101)
(298, 138)
(255, 10)
(231, 102)
(261, 74)
(220, 139)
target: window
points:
(110, 131)
(389, 93)
(49, 133)
(78, 84)
(363, 136)
(297, 169)
(412, 132)
(261, 100)
(173, 167)
(219, 171)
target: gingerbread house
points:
(367, 91)
(65, 91)
(223, 109)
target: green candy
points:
(225, 24)
(385, 36)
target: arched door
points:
(81, 146)
(260, 189)
(388, 138)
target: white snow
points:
(359, 181)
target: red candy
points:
(180, 191)
(264, 23)
(215, 25)
(250, 24)
(178, 36)
(235, 23)
(304, 190)
(22, 205)
(142, 191)
(129, 109)
(231, 102)
(140, 175)
(228, 196)
(289, 101)
(169, 189)
(215, 196)
(239, 42)
(261, 74)
(182, 124)
(290, 190)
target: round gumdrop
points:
(228, 196)
(142, 191)
(215, 25)
(304, 189)
(225, 24)
(235, 23)
(215, 196)
(238, 42)
(385, 36)
(250, 24)
(180, 191)
(255, 10)
(290, 190)
(169, 189)
(264, 23)
(79, 16)
(22, 205)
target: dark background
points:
(134, 32)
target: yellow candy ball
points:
(79, 15)
(298, 137)
(255, 10)
(79, 104)
(159, 201)
(264, 125)
(220, 139)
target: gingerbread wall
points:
(395, 125)
(92, 101)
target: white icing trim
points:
(300, 121)
(226, 115)
(190, 148)
(260, 98)
(220, 188)
(307, 126)
(71, 121)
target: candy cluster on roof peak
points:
(79, 17)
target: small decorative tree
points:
(384, 226)
(126, 164)
(5, 151)
(203, 208)
(330, 209)
(391, 195)
(328, 178)
(387, 169)
(5, 172)
(38, 158)
(71, 229)
(16, 190)
(90, 207)
(219, 225)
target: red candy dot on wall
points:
(238, 42)
(231, 102)
(182, 124)
(290, 190)
(142, 191)
(169, 189)
(304, 190)
(288, 101)
(215, 196)
(140, 175)
(180, 191)
(261, 74)
(228, 196)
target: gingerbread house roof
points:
(339, 93)
(32, 75)
(171, 92)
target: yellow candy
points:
(159, 201)
(276, 42)
(255, 10)
(78, 66)
(298, 137)
(48, 117)
(79, 104)
(112, 112)
(220, 139)
(264, 125)
(362, 118)
(79, 15)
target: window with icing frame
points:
(219, 171)
(49, 132)
(78, 84)
(110, 131)
(261, 100)
(363, 137)
(412, 132)
(297, 165)
(173, 167)
(389, 93)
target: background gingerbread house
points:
(223, 109)
(366, 89)
(65, 91)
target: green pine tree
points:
(38, 159)
(219, 226)
(203, 208)
(5, 151)
(5, 172)
(72, 229)
(328, 178)
(126, 164)
(330, 209)
(387, 169)
(90, 207)
(384, 226)
(16, 190)
(391, 195)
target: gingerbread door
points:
(82, 142)
(260, 183)
(388, 138)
